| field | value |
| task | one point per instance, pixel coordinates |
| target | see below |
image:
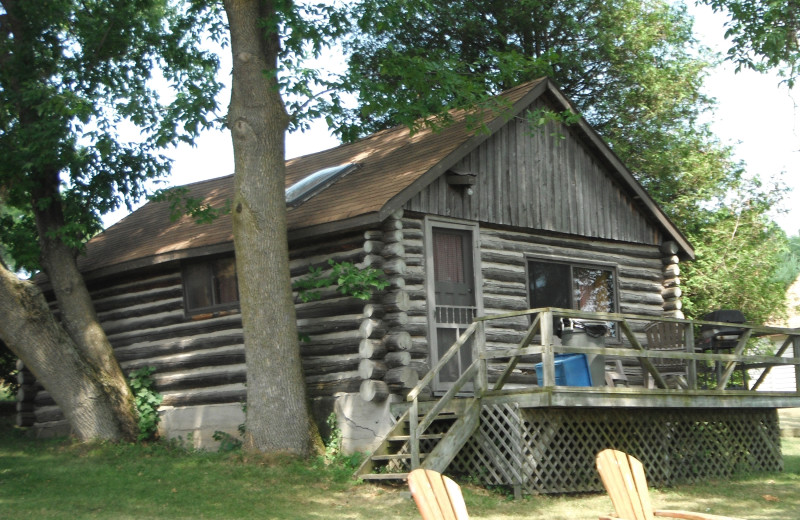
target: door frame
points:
(431, 223)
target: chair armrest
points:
(689, 515)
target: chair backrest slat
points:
(624, 479)
(437, 497)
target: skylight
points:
(306, 188)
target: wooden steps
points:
(447, 433)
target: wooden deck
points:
(526, 435)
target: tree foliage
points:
(634, 71)
(764, 35)
(81, 116)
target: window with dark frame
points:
(572, 286)
(210, 285)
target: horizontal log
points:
(509, 240)
(404, 377)
(371, 349)
(324, 324)
(673, 305)
(108, 307)
(398, 341)
(671, 259)
(136, 290)
(186, 344)
(25, 419)
(298, 253)
(420, 366)
(235, 393)
(672, 271)
(146, 322)
(671, 293)
(397, 282)
(147, 308)
(395, 249)
(27, 393)
(45, 414)
(300, 266)
(396, 319)
(394, 266)
(397, 359)
(331, 343)
(504, 275)
(27, 406)
(372, 390)
(495, 288)
(227, 355)
(371, 369)
(320, 365)
(373, 234)
(200, 378)
(396, 301)
(393, 236)
(373, 246)
(348, 382)
(670, 247)
(328, 307)
(178, 331)
(371, 329)
(25, 377)
(372, 260)
(672, 282)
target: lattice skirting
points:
(552, 450)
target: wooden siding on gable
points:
(540, 178)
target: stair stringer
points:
(458, 435)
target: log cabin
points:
(493, 232)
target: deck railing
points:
(539, 340)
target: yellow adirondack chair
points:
(624, 479)
(437, 497)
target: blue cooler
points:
(571, 370)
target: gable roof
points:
(394, 165)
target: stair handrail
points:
(476, 371)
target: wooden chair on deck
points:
(624, 479)
(437, 497)
(667, 336)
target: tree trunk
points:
(78, 315)
(277, 410)
(31, 331)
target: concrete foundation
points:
(195, 425)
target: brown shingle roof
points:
(394, 165)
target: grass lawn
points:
(44, 479)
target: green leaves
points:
(78, 76)
(764, 34)
(147, 402)
(351, 281)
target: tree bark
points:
(31, 331)
(277, 409)
(78, 315)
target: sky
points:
(755, 115)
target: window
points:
(572, 286)
(210, 285)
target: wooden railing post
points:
(796, 349)
(413, 432)
(688, 332)
(548, 359)
(479, 354)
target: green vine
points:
(352, 281)
(147, 402)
